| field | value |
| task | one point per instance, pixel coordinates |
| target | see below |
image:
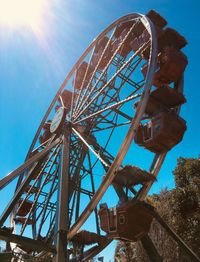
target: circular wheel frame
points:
(90, 143)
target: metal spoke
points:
(39, 191)
(109, 127)
(93, 74)
(89, 147)
(144, 46)
(108, 64)
(110, 107)
(9, 178)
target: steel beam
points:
(173, 234)
(23, 186)
(62, 207)
(26, 242)
(7, 179)
(150, 249)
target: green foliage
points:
(124, 252)
(180, 208)
(187, 172)
(185, 201)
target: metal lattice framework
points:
(66, 175)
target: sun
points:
(17, 13)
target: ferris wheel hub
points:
(57, 119)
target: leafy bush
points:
(180, 208)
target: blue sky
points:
(33, 65)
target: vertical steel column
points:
(62, 204)
(150, 249)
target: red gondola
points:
(171, 38)
(84, 237)
(98, 51)
(140, 39)
(160, 134)
(157, 19)
(129, 221)
(171, 65)
(119, 35)
(161, 99)
(129, 176)
(80, 75)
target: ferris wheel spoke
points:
(93, 74)
(75, 101)
(75, 172)
(125, 79)
(89, 147)
(104, 151)
(56, 150)
(53, 188)
(61, 100)
(105, 155)
(98, 129)
(109, 107)
(74, 201)
(116, 110)
(113, 98)
(93, 190)
(144, 46)
(105, 69)
(102, 102)
(24, 185)
(109, 62)
(41, 146)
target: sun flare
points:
(16, 13)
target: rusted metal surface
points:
(161, 133)
(129, 221)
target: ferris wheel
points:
(103, 139)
